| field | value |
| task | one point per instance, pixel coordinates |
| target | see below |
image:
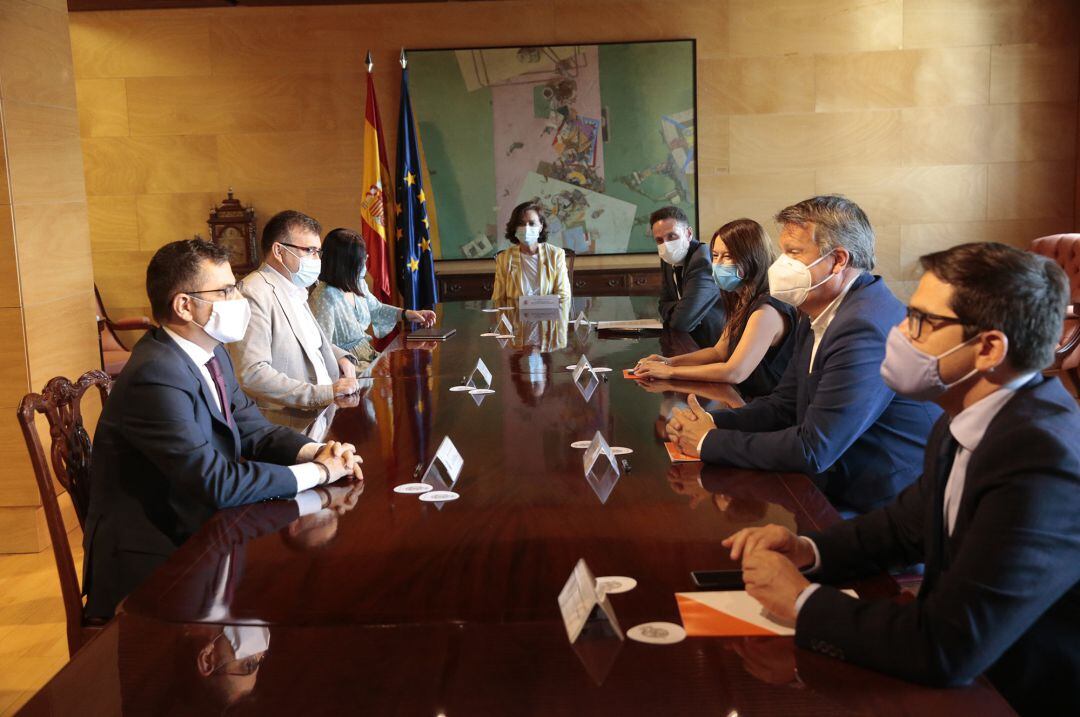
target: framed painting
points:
(600, 135)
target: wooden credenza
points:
(586, 282)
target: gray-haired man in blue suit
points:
(831, 416)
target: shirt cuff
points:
(804, 596)
(308, 502)
(308, 451)
(308, 475)
(817, 555)
(701, 442)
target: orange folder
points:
(678, 456)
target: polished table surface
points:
(391, 605)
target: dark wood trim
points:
(585, 282)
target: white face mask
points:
(790, 279)
(529, 234)
(247, 640)
(674, 251)
(228, 320)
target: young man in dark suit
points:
(831, 416)
(689, 297)
(178, 439)
(995, 515)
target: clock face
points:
(233, 240)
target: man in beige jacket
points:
(285, 359)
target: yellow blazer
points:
(553, 277)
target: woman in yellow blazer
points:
(531, 267)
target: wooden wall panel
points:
(268, 103)
(757, 85)
(805, 141)
(54, 251)
(14, 377)
(59, 339)
(945, 23)
(304, 160)
(44, 161)
(103, 107)
(113, 223)
(919, 239)
(1033, 73)
(1030, 189)
(5, 190)
(623, 20)
(163, 218)
(934, 112)
(754, 196)
(9, 270)
(781, 27)
(904, 78)
(911, 195)
(35, 64)
(150, 165)
(170, 44)
(47, 314)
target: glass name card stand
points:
(585, 378)
(442, 474)
(601, 468)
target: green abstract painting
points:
(600, 135)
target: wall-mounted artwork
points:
(601, 135)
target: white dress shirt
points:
(307, 474)
(821, 323)
(310, 337)
(968, 429)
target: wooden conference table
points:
(388, 605)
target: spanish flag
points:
(373, 204)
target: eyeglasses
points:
(231, 291)
(304, 250)
(916, 318)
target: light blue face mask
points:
(308, 272)
(726, 276)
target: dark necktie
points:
(219, 381)
(946, 456)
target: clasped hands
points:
(771, 557)
(687, 427)
(340, 461)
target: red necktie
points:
(219, 381)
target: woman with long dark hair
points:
(756, 345)
(344, 306)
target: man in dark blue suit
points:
(689, 297)
(178, 439)
(995, 515)
(831, 416)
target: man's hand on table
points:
(339, 460)
(687, 427)
(769, 557)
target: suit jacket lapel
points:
(204, 388)
(294, 321)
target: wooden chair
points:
(570, 256)
(70, 452)
(1065, 250)
(114, 354)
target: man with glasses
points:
(831, 416)
(993, 516)
(285, 359)
(178, 440)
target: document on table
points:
(729, 613)
(632, 325)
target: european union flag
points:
(415, 261)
